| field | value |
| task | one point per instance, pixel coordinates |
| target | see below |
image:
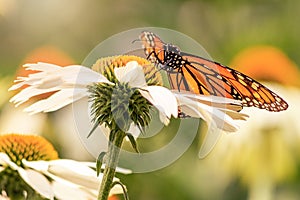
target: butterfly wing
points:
(208, 77)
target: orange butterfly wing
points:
(202, 76)
(219, 80)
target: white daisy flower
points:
(45, 174)
(71, 82)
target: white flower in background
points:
(57, 178)
(265, 152)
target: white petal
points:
(40, 66)
(66, 192)
(40, 165)
(236, 115)
(72, 175)
(164, 118)
(44, 68)
(75, 172)
(57, 100)
(55, 78)
(189, 107)
(81, 76)
(208, 98)
(37, 181)
(132, 73)
(73, 74)
(208, 113)
(5, 160)
(68, 172)
(29, 92)
(72, 165)
(163, 99)
(230, 106)
(211, 138)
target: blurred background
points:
(259, 38)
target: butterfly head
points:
(172, 48)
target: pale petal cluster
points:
(70, 84)
(213, 109)
(160, 97)
(70, 179)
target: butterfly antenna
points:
(136, 40)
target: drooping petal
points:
(41, 66)
(37, 181)
(57, 100)
(230, 106)
(210, 140)
(65, 191)
(75, 172)
(72, 165)
(40, 165)
(5, 160)
(163, 117)
(163, 99)
(132, 74)
(53, 78)
(29, 92)
(44, 68)
(208, 113)
(208, 98)
(73, 175)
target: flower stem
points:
(112, 158)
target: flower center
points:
(29, 147)
(106, 65)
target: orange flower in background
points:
(47, 54)
(267, 63)
(14, 119)
(114, 197)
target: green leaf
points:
(99, 162)
(125, 193)
(133, 142)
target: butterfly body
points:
(202, 76)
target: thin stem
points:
(111, 161)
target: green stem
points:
(111, 161)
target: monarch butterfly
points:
(202, 76)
